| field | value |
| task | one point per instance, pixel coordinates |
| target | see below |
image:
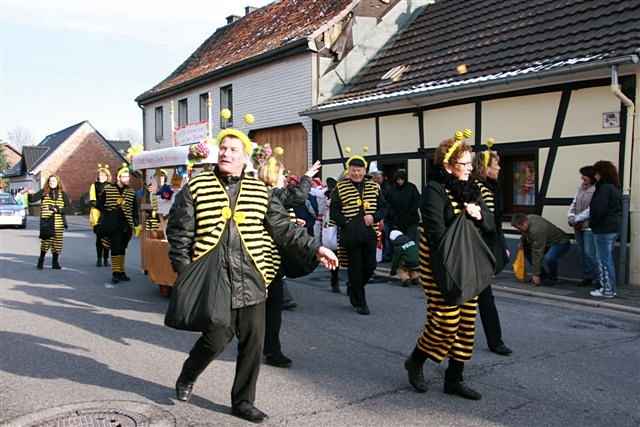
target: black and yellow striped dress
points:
(119, 209)
(55, 199)
(450, 329)
(152, 223)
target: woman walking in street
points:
(53, 202)
(605, 215)
(486, 170)
(449, 330)
(102, 244)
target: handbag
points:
(47, 228)
(463, 264)
(199, 300)
(330, 237)
(519, 265)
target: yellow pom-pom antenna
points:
(468, 133)
(249, 119)
(278, 151)
(491, 142)
(225, 113)
(347, 150)
(365, 149)
(459, 136)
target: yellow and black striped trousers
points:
(117, 263)
(55, 243)
(450, 329)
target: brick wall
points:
(76, 160)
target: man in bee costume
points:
(231, 218)
(103, 177)
(356, 208)
(119, 220)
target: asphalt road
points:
(65, 338)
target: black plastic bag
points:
(198, 299)
(47, 228)
(463, 264)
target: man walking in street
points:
(544, 244)
(232, 217)
(356, 208)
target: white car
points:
(11, 212)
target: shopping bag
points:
(330, 237)
(199, 300)
(519, 268)
(463, 264)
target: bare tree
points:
(20, 136)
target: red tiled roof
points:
(273, 26)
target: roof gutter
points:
(297, 46)
(571, 69)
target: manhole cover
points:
(97, 414)
(91, 418)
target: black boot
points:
(413, 365)
(453, 383)
(55, 264)
(105, 258)
(247, 411)
(183, 389)
(124, 277)
(41, 260)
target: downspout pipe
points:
(629, 214)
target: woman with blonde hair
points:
(53, 202)
(450, 328)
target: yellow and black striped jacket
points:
(118, 207)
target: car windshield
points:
(6, 199)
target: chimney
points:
(249, 9)
(232, 18)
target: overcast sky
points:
(65, 61)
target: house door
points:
(293, 139)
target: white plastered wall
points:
(442, 123)
(357, 135)
(586, 107)
(399, 134)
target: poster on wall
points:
(524, 183)
(191, 134)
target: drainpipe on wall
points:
(144, 127)
(630, 214)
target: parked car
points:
(12, 212)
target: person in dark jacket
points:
(103, 176)
(450, 329)
(405, 258)
(403, 203)
(357, 208)
(486, 170)
(605, 216)
(53, 204)
(233, 217)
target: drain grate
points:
(97, 414)
(93, 418)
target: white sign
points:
(191, 134)
(610, 120)
(161, 158)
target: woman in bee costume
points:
(356, 208)
(450, 329)
(53, 202)
(102, 244)
(119, 220)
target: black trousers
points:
(273, 322)
(362, 265)
(490, 318)
(247, 324)
(120, 241)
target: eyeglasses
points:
(465, 164)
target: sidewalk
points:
(628, 299)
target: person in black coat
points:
(486, 169)
(403, 203)
(605, 217)
(450, 329)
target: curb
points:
(523, 292)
